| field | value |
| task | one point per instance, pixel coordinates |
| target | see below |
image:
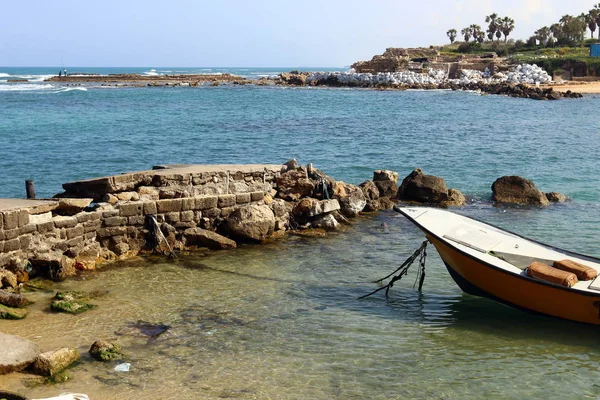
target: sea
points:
(283, 320)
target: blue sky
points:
(235, 33)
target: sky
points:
(244, 33)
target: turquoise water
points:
(294, 328)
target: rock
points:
(555, 197)
(128, 196)
(13, 300)
(206, 238)
(7, 279)
(55, 265)
(423, 188)
(72, 206)
(70, 302)
(105, 351)
(110, 199)
(253, 222)
(385, 203)
(370, 190)
(386, 182)
(309, 207)
(291, 165)
(17, 354)
(517, 190)
(455, 198)
(281, 211)
(294, 78)
(293, 185)
(372, 205)
(12, 313)
(351, 198)
(52, 362)
(327, 222)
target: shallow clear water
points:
(282, 320)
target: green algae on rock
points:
(12, 313)
(105, 351)
(72, 302)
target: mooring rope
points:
(421, 253)
(159, 237)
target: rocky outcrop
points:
(428, 189)
(386, 182)
(205, 238)
(555, 197)
(351, 198)
(394, 59)
(295, 184)
(250, 223)
(17, 354)
(52, 362)
(371, 192)
(310, 207)
(517, 190)
(296, 78)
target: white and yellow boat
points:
(487, 261)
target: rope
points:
(421, 253)
(160, 237)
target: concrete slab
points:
(17, 353)
(33, 206)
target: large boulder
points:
(253, 222)
(17, 354)
(294, 184)
(206, 238)
(281, 210)
(309, 207)
(371, 193)
(517, 190)
(423, 188)
(351, 198)
(386, 182)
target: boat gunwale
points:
(497, 268)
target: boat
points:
(487, 261)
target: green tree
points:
(492, 21)
(452, 35)
(506, 26)
(477, 33)
(543, 35)
(591, 18)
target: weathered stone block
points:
(25, 229)
(205, 203)
(212, 213)
(257, 196)
(115, 221)
(11, 234)
(23, 217)
(95, 216)
(64, 222)
(83, 217)
(136, 220)
(40, 218)
(187, 216)
(226, 200)
(188, 203)
(1, 246)
(169, 205)
(76, 241)
(185, 225)
(243, 198)
(112, 231)
(226, 211)
(90, 235)
(110, 213)
(197, 216)
(12, 245)
(11, 219)
(131, 209)
(173, 217)
(74, 232)
(92, 226)
(52, 362)
(45, 227)
(150, 208)
(24, 242)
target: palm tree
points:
(507, 25)
(543, 35)
(597, 8)
(591, 18)
(492, 21)
(467, 33)
(476, 31)
(452, 35)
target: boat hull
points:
(481, 279)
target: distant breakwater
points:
(506, 85)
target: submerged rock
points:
(143, 329)
(210, 239)
(71, 302)
(555, 197)
(17, 353)
(517, 190)
(12, 313)
(105, 351)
